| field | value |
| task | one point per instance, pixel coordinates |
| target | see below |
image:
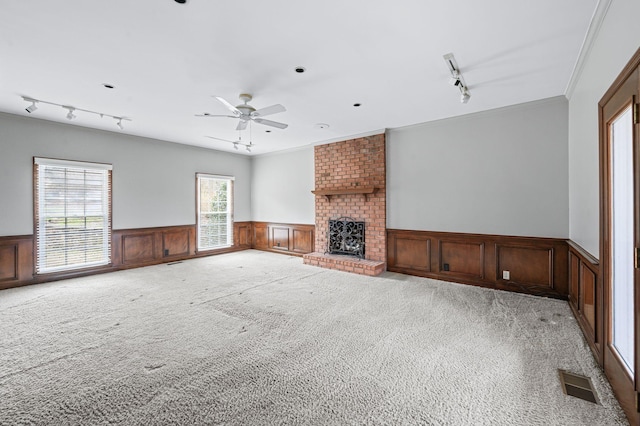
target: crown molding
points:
(587, 44)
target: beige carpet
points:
(259, 338)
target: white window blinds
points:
(72, 214)
(215, 211)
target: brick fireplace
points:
(350, 179)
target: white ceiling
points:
(166, 60)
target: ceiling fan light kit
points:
(456, 78)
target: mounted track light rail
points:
(236, 144)
(71, 110)
(456, 78)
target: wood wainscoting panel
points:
(8, 262)
(138, 248)
(537, 266)
(410, 252)
(16, 260)
(288, 238)
(574, 278)
(279, 237)
(463, 258)
(131, 248)
(242, 234)
(586, 297)
(527, 265)
(303, 239)
(260, 236)
(176, 242)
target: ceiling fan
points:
(247, 113)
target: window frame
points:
(39, 166)
(229, 212)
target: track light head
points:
(119, 123)
(235, 146)
(455, 78)
(248, 148)
(70, 114)
(464, 98)
(31, 107)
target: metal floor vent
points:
(578, 386)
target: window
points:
(72, 204)
(215, 211)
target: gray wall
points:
(153, 181)
(496, 172)
(615, 43)
(281, 187)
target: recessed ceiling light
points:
(267, 131)
(321, 126)
(108, 86)
(300, 70)
(357, 105)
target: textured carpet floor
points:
(259, 338)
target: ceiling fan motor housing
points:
(245, 108)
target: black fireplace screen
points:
(346, 236)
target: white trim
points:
(480, 114)
(230, 219)
(322, 142)
(207, 175)
(71, 164)
(587, 44)
(42, 243)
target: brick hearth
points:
(350, 166)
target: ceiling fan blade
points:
(214, 115)
(273, 109)
(271, 123)
(242, 124)
(231, 108)
(219, 139)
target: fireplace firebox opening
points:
(346, 236)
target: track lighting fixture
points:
(456, 78)
(31, 107)
(72, 110)
(70, 115)
(236, 144)
(464, 98)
